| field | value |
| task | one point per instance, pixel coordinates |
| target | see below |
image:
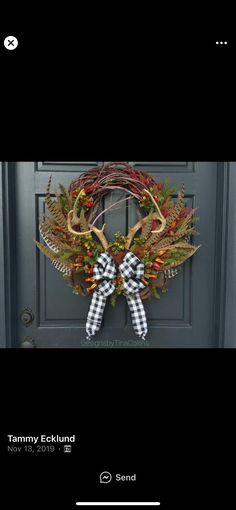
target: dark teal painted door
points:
(183, 317)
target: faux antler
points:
(98, 232)
(72, 218)
(132, 232)
(69, 226)
(136, 227)
(75, 218)
(159, 216)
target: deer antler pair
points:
(73, 219)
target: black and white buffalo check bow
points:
(131, 270)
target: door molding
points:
(227, 326)
(3, 334)
(224, 326)
(7, 256)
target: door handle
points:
(27, 316)
(27, 343)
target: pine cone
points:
(145, 293)
(139, 251)
(160, 280)
(118, 257)
(79, 279)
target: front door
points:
(50, 315)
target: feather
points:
(147, 227)
(53, 242)
(83, 222)
(66, 195)
(48, 252)
(176, 209)
(45, 233)
(186, 220)
(190, 250)
(61, 267)
(171, 273)
(54, 208)
(54, 257)
(154, 238)
(169, 240)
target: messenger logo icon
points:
(105, 477)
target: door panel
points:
(183, 317)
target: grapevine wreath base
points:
(134, 265)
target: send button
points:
(126, 478)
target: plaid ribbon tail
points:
(95, 314)
(104, 271)
(138, 315)
(132, 271)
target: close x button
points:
(10, 42)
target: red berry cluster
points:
(79, 262)
(84, 203)
(156, 266)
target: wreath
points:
(136, 264)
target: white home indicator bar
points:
(117, 503)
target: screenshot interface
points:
(117, 263)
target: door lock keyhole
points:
(27, 317)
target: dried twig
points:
(110, 207)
